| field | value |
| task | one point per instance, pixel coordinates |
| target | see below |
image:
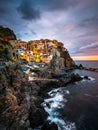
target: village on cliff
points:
(36, 53)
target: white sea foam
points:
(62, 125)
(91, 78)
(67, 92)
(54, 91)
(56, 102)
(57, 97)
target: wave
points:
(52, 106)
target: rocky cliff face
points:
(19, 100)
(6, 35)
(12, 98)
(61, 61)
(52, 48)
(68, 60)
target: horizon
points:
(74, 23)
(85, 58)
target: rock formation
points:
(20, 99)
(44, 50)
(6, 35)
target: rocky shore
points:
(86, 68)
(20, 99)
(21, 96)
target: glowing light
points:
(85, 57)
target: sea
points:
(89, 64)
(75, 106)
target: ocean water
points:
(90, 64)
(75, 107)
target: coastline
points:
(21, 98)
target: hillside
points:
(6, 35)
(50, 52)
(21, 97)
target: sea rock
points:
(75, 77)
(37, 116)
(49, 126)
(86, 77)
(81, 66)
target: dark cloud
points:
(3, 7)
(67, 4)
(31, 9)
(75, 21)
(89, 22)
(7, 10)
(31, 32)
(57, 4)
(92, 20)
(28, 11)
(2, 10)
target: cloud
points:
(28, 11)
(8, 13)
(30, 33)
(7, 5)
(73, 22)
(89, 22)
(3, 7)
(53, 5)
(90, 46)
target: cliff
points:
(20, 99)
(6, 35)
(48, 51)
(51, 52)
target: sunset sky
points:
(73, 22)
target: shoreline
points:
(81, 67)
(21, 98)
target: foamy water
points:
(76, 94)
(57, 101)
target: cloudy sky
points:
(73, 22)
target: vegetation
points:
(6, 32)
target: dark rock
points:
(7, 32)
(48, 105)
(49, 126)
(86, 77)
(37, 116)
(76, 77)
(13, 112)
(80, 66)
